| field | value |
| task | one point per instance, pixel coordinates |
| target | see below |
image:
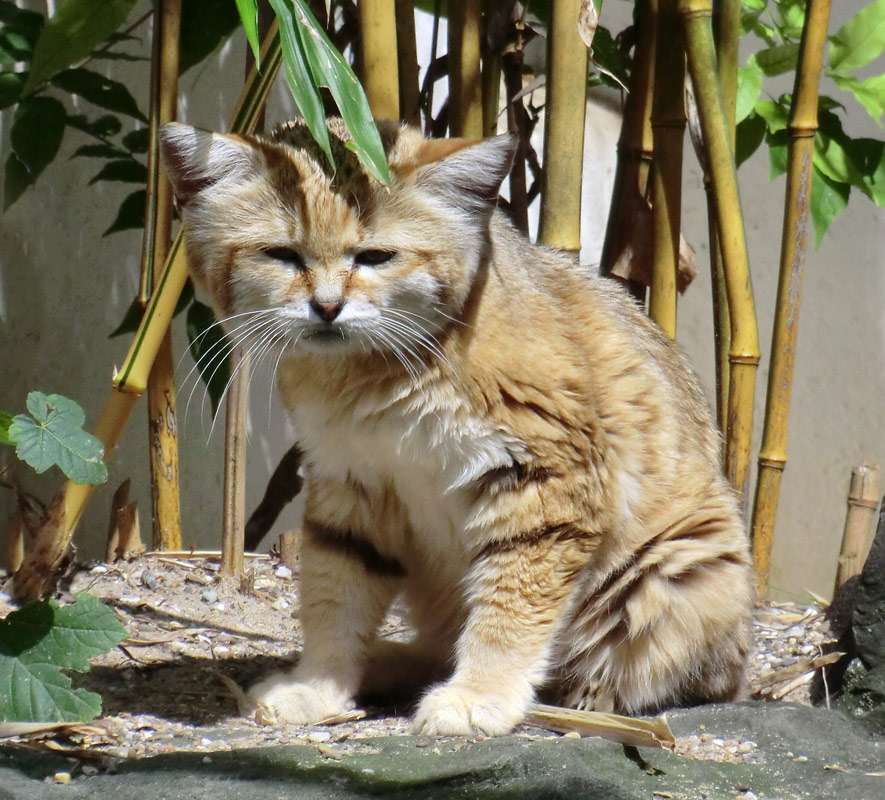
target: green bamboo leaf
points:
(779, 59)
(828, 199)
(99, 90)
(38, 126)
(775, 114)
(750, 134)
(329, 69)
(131, 213)
(301, 82)
(209, 350)
(870, 93)
(249, 16)
(53, 436)
(205, 24)
(71, 34)
(777, 153)
(859, 40)
(40, 640)
(5, 422)
(123, 170)
(11, 87)
(749, 87)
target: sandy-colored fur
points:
(489, 430)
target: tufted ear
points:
(195, 159)
(467, 171)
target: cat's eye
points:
(373, 258)
(285, 254)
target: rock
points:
(209, 596)
(149, 580)
(869, 604)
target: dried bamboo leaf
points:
(626, 730)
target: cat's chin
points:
(332, 341)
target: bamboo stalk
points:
(726, 28)
(409, 88)
(744, 347)
(234, 513)
(498, 25)
(465, 78)
(800, 133)
(566, 105)
(380, 72)
(128, 384)
(668, 130)
(863, 503)
(162, 417)
(635, 150)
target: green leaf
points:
(869, 93)
(99, 90)
(828, 199)
(53, 436)
(14, 46)
(107, 125)
(749, 87)
(775, 114)
(249, 15)
(21, 19)
(750, 134)
(123, 170)
(209, 350)
(5, 422)
(71, 34)
(777, 153)
(40, 640)
(779, 59)
(11, 87)
(205, 24)
(301, 82)
(859, 40)
(329, 69)
(131, 213)
(38, 126)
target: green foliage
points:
(248, 10)
(209, 350)
(205, 24)
(5, 422)
(40, 640)
(53, 436)
(841, 162)
(38, 126)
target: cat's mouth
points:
(326, 335)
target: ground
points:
(196, 640)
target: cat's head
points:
(332, 259)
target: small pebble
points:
(62, 777)
(319, 736)
(207, 759)
(150, 580)
(221, 607)
(571, 735)
(89, 770)
(801, 758)
(99, 569)
(282, 571)
(209, 596)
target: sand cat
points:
(490, 432)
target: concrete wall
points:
(63, 288)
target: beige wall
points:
(63, 288)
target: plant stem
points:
(744, 349)
(380, 72)
(668, 128)
(409, 90)
(560, 224)
(801, 130)
(465, 78)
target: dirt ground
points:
(197, 640)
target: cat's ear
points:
(195, 159)
(467, 170)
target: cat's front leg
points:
(346, 588)
(517, 590)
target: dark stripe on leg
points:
(355, 546)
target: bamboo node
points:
(773, 463)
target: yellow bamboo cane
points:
(744, 347)
(801, 130)
(380, 71)
(668, 130)
(465, 76)
(130, 381)
(162, 416)
(566, 105)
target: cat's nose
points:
(327, 311)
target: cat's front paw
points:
(452, 710)
(281, 699)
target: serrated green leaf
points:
(38, 127)
(5, 422)
(205, 24)
(123, 170)
(749, 135)
(779, 59)
(209, 350)
(248, 10)
(828, 199)
(11, 87)
(71, 34)
(99, 90)
(130, 214)
(859, 40)
(870, 93)
(53, 436)
(329, 69)
(749, 87)
(40, 640)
